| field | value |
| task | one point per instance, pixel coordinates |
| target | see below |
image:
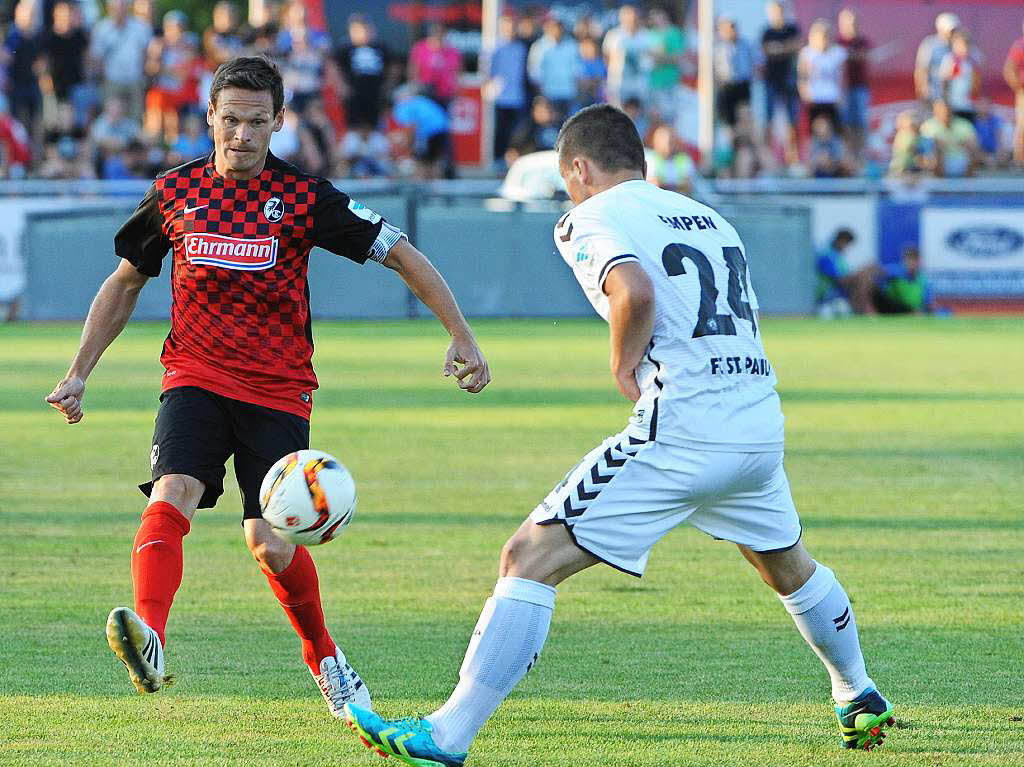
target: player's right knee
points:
(179, 490)
(515, 556)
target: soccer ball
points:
(308, 497)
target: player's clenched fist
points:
(67, 398)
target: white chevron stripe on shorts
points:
(584, 482)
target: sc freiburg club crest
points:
(273, 209)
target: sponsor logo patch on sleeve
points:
(363, 212)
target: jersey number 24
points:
(709, 321)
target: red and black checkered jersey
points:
(240, 322)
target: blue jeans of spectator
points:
(786, 96)
(855, 111)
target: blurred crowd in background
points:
(111, 91)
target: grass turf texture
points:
(905, 456)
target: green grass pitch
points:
(906, 459)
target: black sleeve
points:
(343, 226)
(141, 240)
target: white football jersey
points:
(705, 380)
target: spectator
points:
(526, 32)
(428, 123)
(506, 83)
(930, 53)
(265, 21)
(15, 146)
(324, 159)
(840, 288)
(536, 134)
(592, 74)
(558, 69)
(820, 71)
(118, 49)
(551, 31)
(587, 27)
(64, 159)
(366, 152)
(667, 45)
(909, 156)
(1013, 72)
(626, 52)
(65, 48)
(733, 68)
(826, 157)
(294, 143)
(111, 133)
(145, 11)
(303, 67)
(744, 154)
(286, 143)
(194, 141)
(989, 127)
(959, 75)
(634, 109)
(23, 50)
(858, 91)
(294, 20)
(904, 289)
(363, 63)
(223, 39)
(435, 65)
(668, 167)
(953, 149)
(780, 44)
(170, 62)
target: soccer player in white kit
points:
(704, 445)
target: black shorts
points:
(827, 110)
(729, 98)
(197, 430)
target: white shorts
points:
(627, 493)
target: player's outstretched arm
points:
(631, 322)
(429, 286)
(109, 313)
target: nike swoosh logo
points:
(197, 207)
(146, 544)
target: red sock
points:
(156, 563)
(298, 590)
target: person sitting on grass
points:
(842, 289)
(905, 289)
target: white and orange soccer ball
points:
(308, 497)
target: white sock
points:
(506, 642)
(822, 612)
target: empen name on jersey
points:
(755, 366)
(688, 223)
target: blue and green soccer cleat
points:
(408, 740)
(861, 721)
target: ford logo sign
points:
(985, 241)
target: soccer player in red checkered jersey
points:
(240, 225)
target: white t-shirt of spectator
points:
(628, 62)
(559, 68)
(122, 49)
(535, 55)
(824, 73)
(959, 80)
